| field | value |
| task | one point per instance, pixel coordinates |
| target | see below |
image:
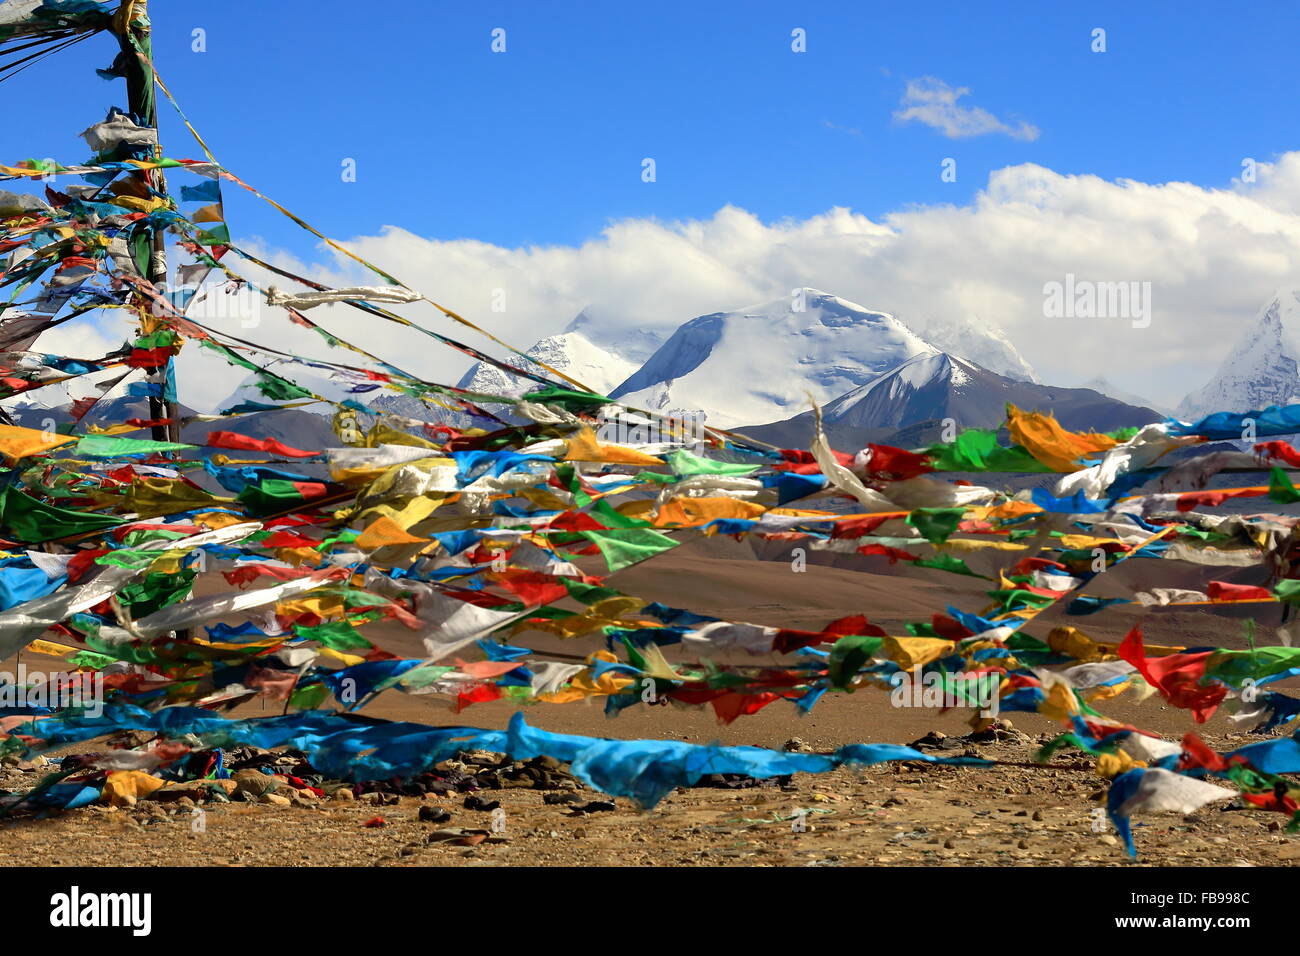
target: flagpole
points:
(131, 24)
(133, 33)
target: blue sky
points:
(544, 143)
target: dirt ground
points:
(904, 815)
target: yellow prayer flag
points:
(690, 512)
(124, 787)
(384, 531)
(17, 442)
(586, 447)
(1045, 439)
(909, 653)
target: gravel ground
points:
(899, 815)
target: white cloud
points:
(1213, 257)
(931, 101)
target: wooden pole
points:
(133, 33)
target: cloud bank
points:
(1213, 256)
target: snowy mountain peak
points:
(571, 352)
(762, 363)
(1263, 367)
(924, 386)
(981, 342)
(914, 403)
(635, 345)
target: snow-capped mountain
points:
(584, 351)
(635, 345)
(1262, 369)
(760, 364)
(929, 388)
(978, 341)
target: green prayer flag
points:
(684, 464)
(946, 562)
(568, 476)
(977, 449)
(338, 635)
(270, 495)
(279, 389)
(24, 518)
(588, 593)
(569, 399)
(111, 446)
(624, 547)
(308, 697)
(1288, 589)
(935, 524)
(614, 519)
(848, 655)
(1280, 488)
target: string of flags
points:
(180, 579)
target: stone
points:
(254, 783)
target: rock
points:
(482, 758)
(933, 739)
(475, 802)
(1109, 840)
(595, 806)
(193, 792)
(796, 746)
(343, 795)
(434, 814)
(275, 799)
(457, 836)
(254, 783)
(558, 798)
